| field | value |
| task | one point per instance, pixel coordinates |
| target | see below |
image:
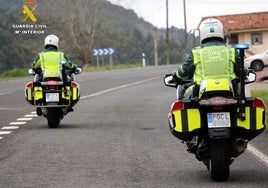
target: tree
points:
(79, 25)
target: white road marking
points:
(262, 157)
(17, 123)
(30, 115)
(117, 88)
(10, 127)
(4, 93)
(5, 132)
(9, 109)
(20, 121)
(24, 119)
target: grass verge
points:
(24, 72)
(14, 73)
(108, 67)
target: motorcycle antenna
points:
(242, 96)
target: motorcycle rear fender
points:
(219, 133)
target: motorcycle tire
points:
(219, 162)
(53, 117)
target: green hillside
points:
(82, 25)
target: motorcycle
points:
(216, 124)
(54, 97)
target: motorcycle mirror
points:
(169, 81)
(78, 70)
(31, 72)
(251, 77)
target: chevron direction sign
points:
(104, 51)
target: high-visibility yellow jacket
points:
(213, 60)
(50, 62)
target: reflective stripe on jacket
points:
(50, 63)
(213, 62)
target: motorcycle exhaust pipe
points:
(240, 146)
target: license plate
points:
(219, 119)
(52, 97)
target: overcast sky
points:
(154, 11)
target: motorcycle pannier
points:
(184, 120)
(33, 93)
(254, 122)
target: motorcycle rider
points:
(212, 59)
(48, 63)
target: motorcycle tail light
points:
(178, 105)
(52, 82)
(74, 84)
(217, 108)
(52, 87)
(29, 85)
(259, 103)
(217, 101)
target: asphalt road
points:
(117, 136)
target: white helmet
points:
(52, 40)
(211, 28)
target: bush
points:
(14, 73)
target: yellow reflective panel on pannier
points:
(187, 120)
(38, 93)
(259, 118)
(75, 93)
(29, 94)
(65, 94)
(254, 119)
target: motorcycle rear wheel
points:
(53, 117)
(219, 162)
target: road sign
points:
(111, 51)
(95, 52)
(104, 51)
(100, 51)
